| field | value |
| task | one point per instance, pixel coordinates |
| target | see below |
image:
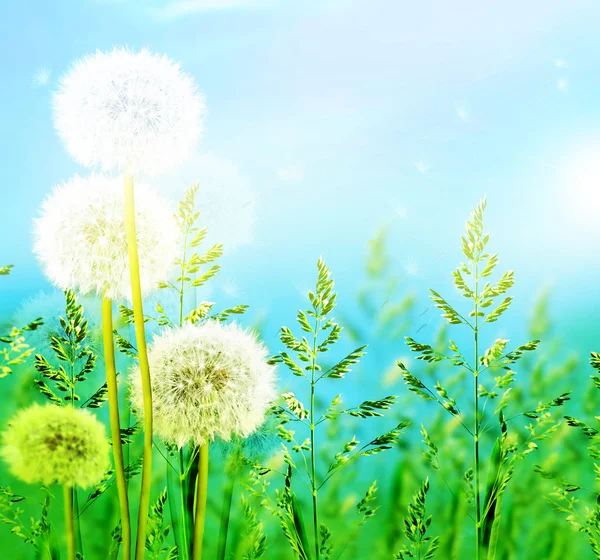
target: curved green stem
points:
(201, 495)
(140, 336)
(225, 516)
(115, 424)
(69, 521)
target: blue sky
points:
(344, 116)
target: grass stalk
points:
(140, 335)
(313, 457)
(174, 511)
(115, 424)
(226, 516)
(476, 427)
(78, 538)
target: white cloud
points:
(41, 77)
(562, 84)
(291, 173)
(462, 112)
(422, 166)
(560, 63)
(181, 8)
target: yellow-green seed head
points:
(49, 444)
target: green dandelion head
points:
(51, 443)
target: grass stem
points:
(313, 454)
(78, 538)
(225, 516)
(476, 406)
(174, 511)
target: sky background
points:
(334, 118)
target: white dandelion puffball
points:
(207, 381)
(80, 237)
(127, 110)
(225, 198)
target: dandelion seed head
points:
(258, 447)
(207, 381)
(81, 241)
(55, 444)
(50, 306)
(128, 110)
(263, 443)
(225, 198)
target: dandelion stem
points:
(140, 336)
(69, 521)
(190, 475)
(115, 424)
(201, 495)
(225, 516)
(185, 514)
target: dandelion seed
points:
(126, 110)
(231, 289)
(462, 113)
(207, 381)
(302, 288)
(400, 212)
(53, 444)
(291, 173)
(562, 84)
(80, 237)
(422, 166)
(41, 77)
(411, 267)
